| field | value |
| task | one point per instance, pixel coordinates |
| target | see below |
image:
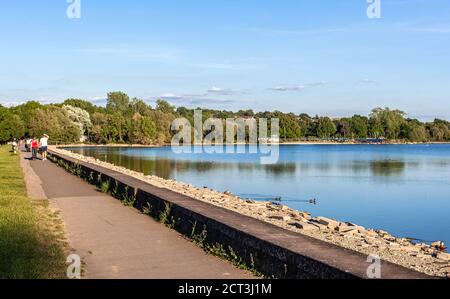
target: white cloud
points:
(215, 89)
(42, 100)
(171, 96)
(12, 103)
(318, 83)
(288, 88)
(221, 91)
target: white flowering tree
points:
(80, 118)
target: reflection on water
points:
(167, 168)
(387, 167)
(400, 188)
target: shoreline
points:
(421, 257)
(113, 145)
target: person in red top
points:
(34, 148)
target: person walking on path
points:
(34, 148)
(14, 146)
(28, 145)
(44, 147)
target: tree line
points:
(127, 120)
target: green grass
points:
(31, 235)
(104, 187)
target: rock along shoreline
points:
(429, 259)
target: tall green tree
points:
(143, 130)
(139, 106)
(100, 131)
(344, 128)
(386, 122)
(417, 133)
(359, 126)
(305, 123)
(11, 126)
(289, 126)
(439, 130)
(26, 112)
(163, 123)
(118, 127)
(325, 127)
(118, 102)
(164, 107)
(55, 122)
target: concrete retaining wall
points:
(269, 249)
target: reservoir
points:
(403, 189)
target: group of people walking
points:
(35, 146)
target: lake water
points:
(403, 189)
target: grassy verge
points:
(31, 235)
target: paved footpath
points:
(117, 241)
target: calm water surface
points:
(404, 189)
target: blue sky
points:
(313, 56)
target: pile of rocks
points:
(430, 259)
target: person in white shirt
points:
(14, 146)
(44, 146)
(28, 145)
